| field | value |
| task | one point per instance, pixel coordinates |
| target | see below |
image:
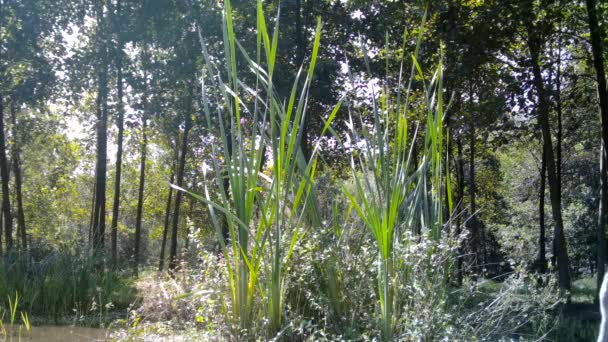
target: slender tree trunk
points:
(447, 213)
(163, 245)
(542, 261)
(99, 219)
(166, 226)
(1, 231)
(602, 91)
(563, 262)
(180, 181)
(6, 208)
(6, 202)
(446, 205)
(300, 48)
(476, 242)
(142, 181)
(559, 133)
(602, 219)
(93, 198)
(120, 125)
(300, 41)
(18, 181)
(459, 271)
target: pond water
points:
(50, 333)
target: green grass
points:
(10, 314)
(64, 287)
(583, 290)
(567, 330)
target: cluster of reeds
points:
(397, 192)
(62, 286)
(259, 215)
(5, 332)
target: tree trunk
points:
(300, 48)
(559, 133)
(446, 204)
(542, 261)
(1, 231)
(602, 91)
(601, 230)
(163, 245)
(563, 262)
(93, 198)
(476, 242)
(180, 181)
(459, 270)
(18, 182)
(120, 126)
(142, 181)
(1, 116)
(166, 227)
(6, 207)
(6, 202)
(99, 218)
(300, 42)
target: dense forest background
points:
(103, 102)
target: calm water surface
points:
(48, 333)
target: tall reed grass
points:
(13, 305)
(264, 214)
(395, 194)
(64, 285)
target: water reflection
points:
(57, 334)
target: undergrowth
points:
(66, 287)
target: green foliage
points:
(65, 286)
(13, 305)
(334, 294)
(262, 213)
(396, 195)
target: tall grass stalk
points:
(264, 214)
(13, 305)
(56, 285)
(395, 194)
